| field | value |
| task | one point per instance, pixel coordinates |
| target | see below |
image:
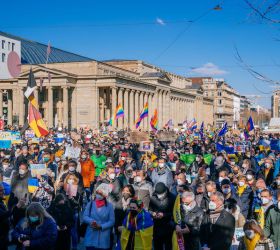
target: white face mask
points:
(264, 200)
(197, 158)
(267, 165)
(278, 205)
(112, 176)
(5, 166)
(241, 183)
(22, 171)
(70, 181)
(209, 194)
(220, 179)
(137, 179)
(187, 207)
(212, 205)
(71, 169)
(249, 234)
(57, 159)
(161, 165)
(161, 196)
(179, 182)
(278, 182)
(249, 177)
(123, 158)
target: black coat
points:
(4, 225)
(218, 236)
(162, 226)
(193, 220)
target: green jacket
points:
(272, 226)
(99, 162)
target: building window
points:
(219, 93)
(3, 44)
(3, 57)
(220, 101)
(9, 46)
(13, 47)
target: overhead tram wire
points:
(216, 8)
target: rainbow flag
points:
(154, 121)
(119, 113)
(249, 127)
(142, 115)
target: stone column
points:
(141, 105)
(21, 106)
(151, 109)
(136, 107)
(1, 103)
(145, 121)
(50, 106)
(120, 101)
(107, 115)
(10, 107)
(74, 108)
(125, 107)
(101, 104)
(36, 94)
(65, 107)
(114, 100)
(131, 109)
(160, 110)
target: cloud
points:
(160, 21)
(209, 69)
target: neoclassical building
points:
(75, 91)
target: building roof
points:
(35, 53)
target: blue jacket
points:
(103, 216)
(246, 202)
(42, 237)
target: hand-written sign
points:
(167, 136)
(146, 146)
(38, 169)
(138, 137)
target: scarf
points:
(251, 244)
(100, 203)
(214, 215)
(241, 190)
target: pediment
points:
(41, 71)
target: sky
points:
(184, 37)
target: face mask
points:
(226, 190)
(209, 194)
(57, 159)
(241, 183)
(117, 170)
(249, 234)
(249, 177)
(126, 195)
(265, 201)
(197, 159)
(46, 159)
(220, 179)
(70, 181)
(267, 165)
(22, 172)
(187, 207)
(112, 176)
(5, 166)
(72, 169)
(33, 219)
(83, 157)
(99, 197)
(161, 196)
(179, 182)
(123, 158)
(137, 179)
(278, 205)
(133, 213)
(212, 205)
(161, 165)
(129, 174)
(278, 182)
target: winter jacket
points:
(218, 236)
(19, 185)
(4, 225)
(245, 201)
(162, 226)
(272, 226)
(144, 191)
(41, 237)
(103, 216)
(166, 177)
(87, 172)
(193, 220)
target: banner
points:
(138, 136)
(146, 146)
(38, 169)
(29, 134)
(167, 136)
(7, 138)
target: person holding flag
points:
(224, 130)
(249, 127)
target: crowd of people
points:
(102, 190)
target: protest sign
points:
(75, 136)
(167, 136)
(240, 147)
(138, 136)
(29, 134)
(38, 169)
(146, 146)
(70, 189)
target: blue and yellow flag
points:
(33, 184)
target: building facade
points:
(75, 91)
(275, 104)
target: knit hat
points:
(104, 188)
(160, 188)
(225, 182)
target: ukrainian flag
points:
(33, 184)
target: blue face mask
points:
(34, 219)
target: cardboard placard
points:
(146, 146)
(75, 136)
(138, 137)
(167, 136)
(38, 169)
